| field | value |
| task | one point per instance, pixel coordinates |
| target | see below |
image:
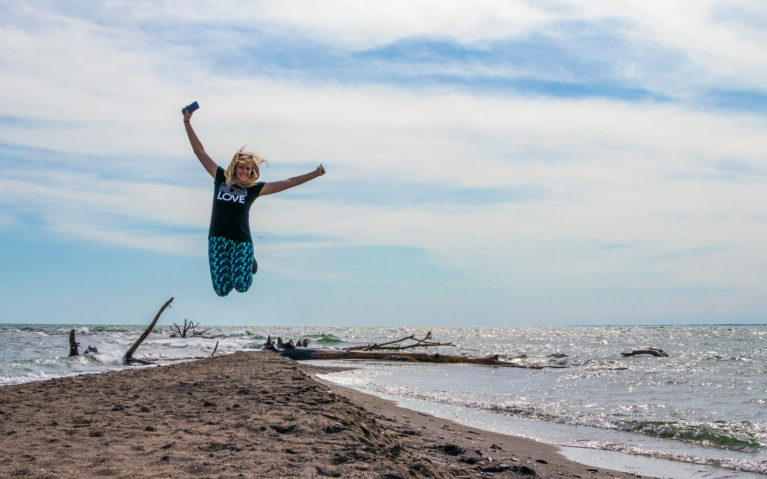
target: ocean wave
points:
(327, 338)
(732, 464)
(717, 435)
(726, 436)
(741, 436)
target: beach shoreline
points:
(247, 414)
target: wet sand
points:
(248, 414)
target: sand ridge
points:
(247, 414)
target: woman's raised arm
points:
(206, 161)
(277, 186)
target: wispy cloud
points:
(526, 145)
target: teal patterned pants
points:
(231, 265)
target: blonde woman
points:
(230, 246)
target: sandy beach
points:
(248, 414)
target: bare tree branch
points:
(388, 346)
(189, 326)
(128, 357)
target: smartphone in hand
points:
(190, 108)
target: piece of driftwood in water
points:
(280, 344)
(328, 354)
(73, 345)
(651, 351)
(187, 331)
(390, 346)
(128, 357)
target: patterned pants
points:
(231, 265)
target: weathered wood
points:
(128, 357)
(333, 354)
(168, 360)
(214, 350)
(189, 330)
(73, 344)
(389, 346)
(651, 351)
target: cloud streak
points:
(513, 145)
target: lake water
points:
(703, 408)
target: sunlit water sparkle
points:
(706, 403)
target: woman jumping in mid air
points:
(230, 247)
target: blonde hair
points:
(243, 156)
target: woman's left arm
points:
(277, 186)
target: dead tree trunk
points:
(376, 352)
(73, 344)
(128, 357)
(187, 331)
(325, 354)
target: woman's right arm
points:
(206, 161)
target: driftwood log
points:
(651, 351)
(280, 344)
(73, 345)
(128, 357)
(329, 354)
(376, 352)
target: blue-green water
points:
(704, 404)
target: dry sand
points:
(248, 414)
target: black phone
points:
(191, 107)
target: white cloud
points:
(615, 172)
(703, 34)
(653, 177)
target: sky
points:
(505, 163)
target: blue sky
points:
(491, 163)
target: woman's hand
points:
(320, 170)
(187, 115)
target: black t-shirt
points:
(231, 205)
